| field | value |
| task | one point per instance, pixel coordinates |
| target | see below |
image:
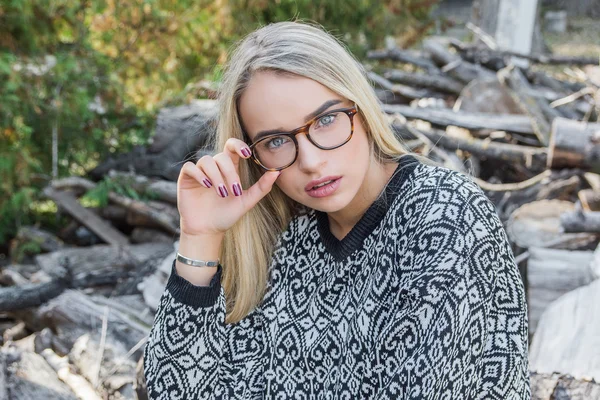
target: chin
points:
(327, 204)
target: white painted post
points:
(514, 32)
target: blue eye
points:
(279, 139)
(326, 120)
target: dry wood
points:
(579, 221)
(574, 144)
(590, 199)
(100, 264)
(3, 377)
(46, 240)
(532, 106)
(160, 189)
(406, 57)
(538, 223)
(486, 96)
(569, 327)
(32, 377)
(534, 158)
(480, 54)
(557, 386)
(405, 91)
(153, 214)
(442, 117)
(18, 298)
(73, 314)
(435, 82)
(180, 131)
(453, 65)
(552, 273)
(86, 217)
(81, 387)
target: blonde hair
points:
(303, 49)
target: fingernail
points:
(206, 182)
(246, 152)
(237, 189)
(223, 191)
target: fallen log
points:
(574, 144)
(149, 214)
(482, 55)
(453, 65)
(159, 189)
(28, 376)
(180, 132)
(70, 204)
(404, 56)
(101, 264)
(528, 104)
(560, 386)
(533, 157)
(430, 81)
(21, 297)
(550, 274)
(569, 327)
(580, 221)
(78, 384)
(473, 121)
(590, 199)
(537, 224)
(486, 96)
(407, 92)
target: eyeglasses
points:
(327, 131)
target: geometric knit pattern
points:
(421, 300)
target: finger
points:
(229, 173)
(209, 167)
(237, 149)
(190, 169)
(260, 189)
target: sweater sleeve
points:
(460, 331)
(192, 354)
(504, 364)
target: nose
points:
(310, 157)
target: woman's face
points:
(279, 102)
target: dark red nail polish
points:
(223, 191)
(246, 152)
(237, 189)
(206, 182)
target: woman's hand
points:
(200, 186)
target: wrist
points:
(200, 247)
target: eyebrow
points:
(323, 107)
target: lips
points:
(316, 182)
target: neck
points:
(341, 222)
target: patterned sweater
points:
(421, 300)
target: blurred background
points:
(101, 102)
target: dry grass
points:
(581, 39)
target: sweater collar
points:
(340, 249)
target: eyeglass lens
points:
(329, 131)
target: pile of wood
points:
(75, 318)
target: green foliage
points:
(98, 196)
(26, 248)
(361, 24)
(93, 73)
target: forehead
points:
(281, 102)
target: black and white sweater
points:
(421, 300)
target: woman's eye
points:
(276, 142)
(326, 120)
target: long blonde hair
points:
(303, 49)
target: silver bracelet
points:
(196, 263)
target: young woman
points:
(334, 264)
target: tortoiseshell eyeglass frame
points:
(350, 112)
